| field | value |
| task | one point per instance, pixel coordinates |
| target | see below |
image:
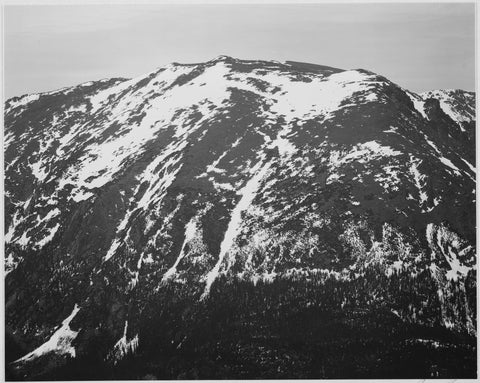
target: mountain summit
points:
(221, 199)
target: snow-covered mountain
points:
(120, 193)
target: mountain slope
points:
(119, 190)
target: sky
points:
(418, 46)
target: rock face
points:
(123, 196)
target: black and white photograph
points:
(222, 190)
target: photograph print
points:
(239, 191)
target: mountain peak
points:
(223, 58)
(184, 184)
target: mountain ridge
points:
(224, 58)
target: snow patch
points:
(39, 173)
(450, 164)
(24, 100)
(419, 179)
(190, 232)
(48, 237)
(123, 346)
(59, 343)
(248, 194)
(418, 103)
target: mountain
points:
(240, 219)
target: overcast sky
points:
(418, 46)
